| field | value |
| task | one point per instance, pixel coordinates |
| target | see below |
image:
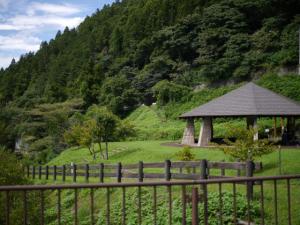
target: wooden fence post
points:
(87, 174)
(222, 170)
(250, 166)
(203, 169)
(238, 173)
(168, 170)
(195, 215)
(33, 172)
(101, 172)
(28, 170)
(64, 173)
(119, 172)
(47, 172)
(54, 172)
(74, 172)
(141, 171)
(40, 172)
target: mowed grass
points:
(153, 151)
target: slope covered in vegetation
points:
(176, 53)
(119, 53)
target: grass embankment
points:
(152, 151)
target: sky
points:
(24, 24)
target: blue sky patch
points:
(24, 24)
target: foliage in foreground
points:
(11, 173)
(162, 209)
(147, 208)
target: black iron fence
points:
(192, 170)
(275, 200)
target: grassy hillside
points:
(153, 151)
(151, 123)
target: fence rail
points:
(182, 170)
(194, 198)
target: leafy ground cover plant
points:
(214, 209)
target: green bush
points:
(185, 154)
(11, 173)
(245, 147)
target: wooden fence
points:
(182, 170)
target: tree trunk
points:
(94, 153)
(100, 148)
(106, 149)
(89, 147)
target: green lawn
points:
(153, 151)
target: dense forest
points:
(130, 52)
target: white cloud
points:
(19, 42)
(6, 60)
(24, 22)
(55, 9)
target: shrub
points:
(245, 147)
(11, 173)
(185, 154)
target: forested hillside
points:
(137, 52)
(120, 52)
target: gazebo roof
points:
(248, 100)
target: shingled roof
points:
(248, 100)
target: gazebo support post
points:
(206, 132)
(282, 124)
(275, 127)
(189, 133)
(291, 128)
(252, 122)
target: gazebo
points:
(250, 101)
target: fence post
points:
(119, 172)
(47, 172)
(33, 172)
(249, 173)
(40, 172)
(28, 170)
(141, 171)
(54, 172)
(168, 170)
(64, 173)
(238, 173)
(222, 170)
(101, 172)
(87, 172)
(74, 172)
(195, 216)
(203, 169)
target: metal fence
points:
(183, 170)
(269, 197)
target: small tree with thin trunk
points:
(109, 123)
(86, 138)
(106, 124)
